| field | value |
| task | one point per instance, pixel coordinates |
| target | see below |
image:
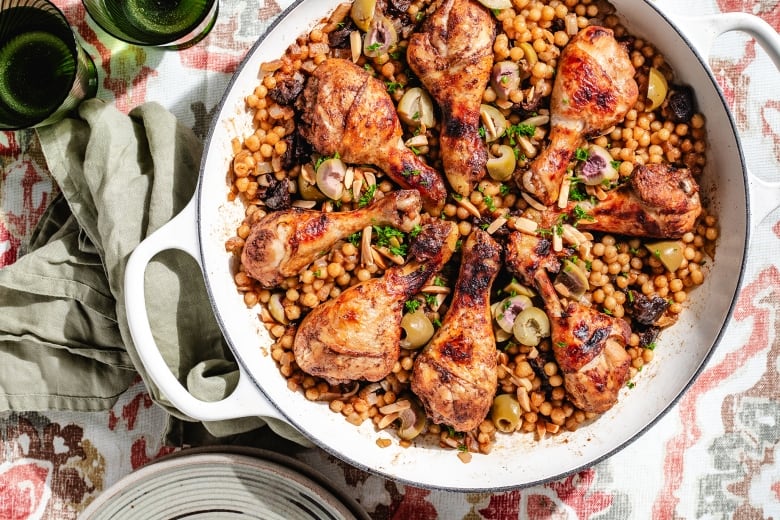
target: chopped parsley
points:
(503, 189)
(560, 344)
(630, 384)
(578, 213)
(392, 86)
(481, 131)
(412, 305)
(416, 230)
(384, 238)
(581, 154)
(488, 200)
(524, 129)
(430, 299)
(373, 47)
(367, 196)
(408, 172)
(650, 346)
(355, 238)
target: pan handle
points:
(703, 30)
(246, 400)
(764, 198)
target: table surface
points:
(716, 454)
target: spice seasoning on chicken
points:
(478, 256)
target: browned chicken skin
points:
(660, 201)
(347, 111)
(455, 375)
(453, 56)
(589, 347)
(282, 243)
(594, 88)
(526, 254)
(357, 334)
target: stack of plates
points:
(224, 485)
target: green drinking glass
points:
(44, 72)
(169, 24)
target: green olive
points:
(531, 325)
(493, 121)
(309, 191)
(505, 413)
(508, 309)
(669, 252)
(515, 287)
(330, 177)
(657, 87)
(412, 421)
(380, 38)
(496, 4)
(416, 108)
(500, 167)
(418, 329)
(598, 168)
(362, 13)
(573, 278)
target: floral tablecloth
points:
(715, 455)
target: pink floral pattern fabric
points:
(715, 455)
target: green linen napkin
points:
(64, 338)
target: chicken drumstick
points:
(453, 57)
(589, 347)
(455, 375)
(659, 201)
(347, 111)
(282, 243)
(594, 88)
(357, 334)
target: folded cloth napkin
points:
(64, 337)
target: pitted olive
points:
(599, 167)
(669, 252)
(500, 167)
(493, 121)
(418, 329)
(416, 108)
(380, 38)
(362, 13)
(508, 309)
(505, 78)
(330, 177)
(531, 325)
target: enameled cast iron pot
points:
(740, 200)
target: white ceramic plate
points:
(218, 485)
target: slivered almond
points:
(396, 259)
(378, 258)
(523, 399)
(557, 241)
(366, 251)
(533, 202)
(563, 196)
(496, 225)
(398, 406)
(387, 420)
(524, 225)
(417, 140)
(355, 45)
(305, 204)
(436, 289)
(468, 206)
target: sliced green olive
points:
(530, 54)
(308, 190)
(416, 108)
(669, 252)
(657, 88)
(508, 309)
(380, 38)
(531, 325)
(362, 13)
(418, 329)
(505, 413)
(330, 177)
(496, 4)
(412, 421)
(573, 278)
(500, 167)
(515, 287)
(501, 335)
(493, 121)
(599, 167)
(505, 78)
